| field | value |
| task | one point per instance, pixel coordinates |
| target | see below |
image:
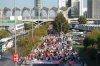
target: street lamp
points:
(15, 31)
(32, 27)
(39, 12)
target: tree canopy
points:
(82, 20)
(60, 23)
(27, 26)
(4, 33)
(26, 43)
(92, 38)
(24, 46)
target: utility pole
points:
(39, 11)
(15, 31)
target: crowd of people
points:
(55, 48)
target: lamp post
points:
(32, 27)
(15, 32)
(39, 12)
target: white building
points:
(81, 8)
(62, 3)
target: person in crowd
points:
(54, 48)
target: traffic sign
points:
(7, 21)
(15, 57)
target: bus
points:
(5, 42)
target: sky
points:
(30, 3)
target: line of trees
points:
(26, 43)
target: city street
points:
(49, 32)
(6, 60)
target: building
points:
(81, 13)
(61, 3)
(75, 8)
(93, 7)
(68, 3)
(38, 5)
(85, 12)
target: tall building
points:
(68, 3)
(62, 3)
(37, 4)
(93, 8)
(81, 8)
(85, 12)
(75, 8)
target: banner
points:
(15, 57)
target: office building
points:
(81, 8)
(93, 8)
(85, 12)
(61, 3)
(75, 8)
(38, 5)
(68, 3)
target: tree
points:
(27, 26)
(4, 33)
(26, 43)
(24, 46)
(92, 38)
(86, 42)
(82, 20)
(60, 23)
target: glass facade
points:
(37, 4)
(75, 8)
(93, 9)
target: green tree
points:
(92, 38)
(86, 42)
(60, 23)
(82, 20)
(4, 33)
(24, 46)
(27, 26)
(26, 43)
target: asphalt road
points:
(48, 65)
(6, 60)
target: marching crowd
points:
(55, 48)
